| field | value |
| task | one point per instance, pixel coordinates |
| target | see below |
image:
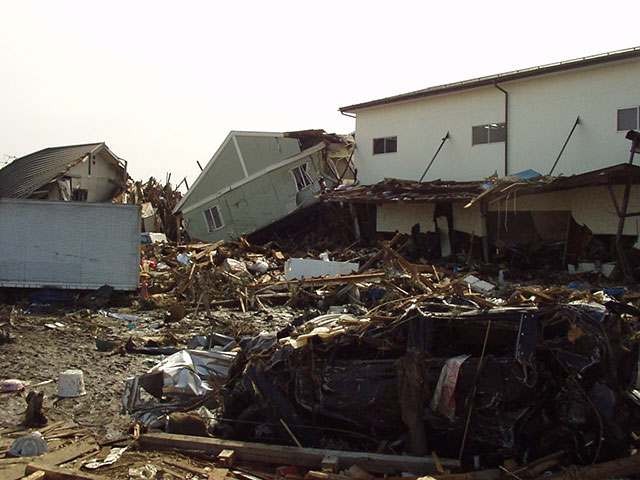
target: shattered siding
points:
(100, 184)
(402, 217)
(590, 206)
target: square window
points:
(213, 219)
(378, 145)
(627, 119)
(385, 145)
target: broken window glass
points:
(301, 176)
(213, 218)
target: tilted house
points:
(257, 178)
(90, 172)
(568, 118)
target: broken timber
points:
(287, 455)
(56, 473)
(364, 277)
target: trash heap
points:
(445, 377)
(158, 202)
(400, 357)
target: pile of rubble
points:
(437, 368)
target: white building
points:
(568, 118)
(504, 123)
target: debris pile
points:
(157, 203)
(437, 367)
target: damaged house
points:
(553, 139)
(90, 173)
(257, 178)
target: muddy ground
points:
(46, 342)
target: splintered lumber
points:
(363, 277)
(56, 473)
(62, 455)
(620, 467)
(288, 455)
(66, 454)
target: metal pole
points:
(444, 139)
(622, 259)
(565, 144)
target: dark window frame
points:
(498, 136)
(383, 145)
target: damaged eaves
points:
(25, 175)
(492, 188)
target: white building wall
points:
(401, 217)
(541, 113)
(420, 126)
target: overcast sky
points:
(163, 83)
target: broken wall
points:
(590, 206)
(401, 217)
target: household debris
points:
(352, 362)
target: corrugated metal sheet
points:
(27, 174)
(69, 244)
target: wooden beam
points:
(363, 277)
(39, 475)
(621, 467)
(287, 455)
(57, 473)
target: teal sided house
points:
(257, 178)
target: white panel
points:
(69, 244)
(392, 217)
(468, 220)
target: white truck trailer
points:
(75, 245)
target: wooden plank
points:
(57, 473)
(39, 475)
(363, 277)
(621, 467)
(66, 454)
(287, 455)
(13, 473)
(56, 457)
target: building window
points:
(213, 218)
(627, 119)
(385, 145)
(489, 133)
(301, 176)
(80, 195)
